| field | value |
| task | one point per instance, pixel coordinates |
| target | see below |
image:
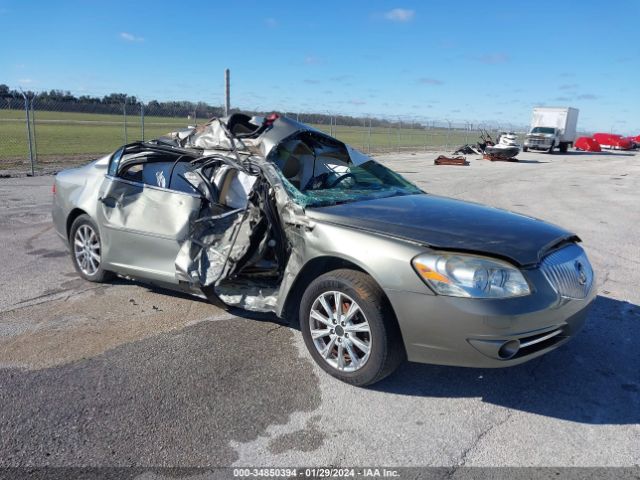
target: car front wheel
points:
(349, 328)
(86, 250)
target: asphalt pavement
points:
(125, 374)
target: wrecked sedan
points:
(271, 215)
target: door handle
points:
(109, 202)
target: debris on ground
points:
(504, 149)
(443, 160)
(497, 157)
(468, 150)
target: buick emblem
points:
(582, 276)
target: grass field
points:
(65, 138)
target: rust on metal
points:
(442, 160)
(498, 158)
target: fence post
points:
(26, 110)
(369, 137)
(33, 126)
(124, 112)
(426, 136)
(142, 119)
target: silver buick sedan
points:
(271, 215)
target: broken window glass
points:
(318, 170)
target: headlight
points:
(460, 275)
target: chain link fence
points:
(39, 135)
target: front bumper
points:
(471, 332)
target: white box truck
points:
(552, 127)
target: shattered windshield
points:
(318, 170)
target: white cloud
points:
(130, 37)
(429, 81)
(25, 80)
(494, 58)
(588, 96)
(312, 60)
(400, 15)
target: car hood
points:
(448, 224)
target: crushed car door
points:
(218, 237)
(145, 225)
(236, 250)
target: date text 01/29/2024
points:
(316, 472)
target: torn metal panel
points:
(237, 254)
(249, 254)
(254, 297)
(215, 244)
(249, 257)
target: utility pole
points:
(227, 92)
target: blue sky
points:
(459, 61)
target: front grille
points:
(569, 271)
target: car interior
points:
(312, 162)
(166, 170)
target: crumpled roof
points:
(216, 135)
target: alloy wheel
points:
(340, 331)
(86, 249)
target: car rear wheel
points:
(349, 328)
(86, 250)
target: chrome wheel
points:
(86, 249)
(340, 331)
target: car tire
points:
(360, 349)
(564, 147)
(524, 149)
(85, 246)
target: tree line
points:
(118, 103)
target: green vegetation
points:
(70, 137)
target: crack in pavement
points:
(57, 295)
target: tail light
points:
(53, 189)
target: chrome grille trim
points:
(524, 343)
(568, 271)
